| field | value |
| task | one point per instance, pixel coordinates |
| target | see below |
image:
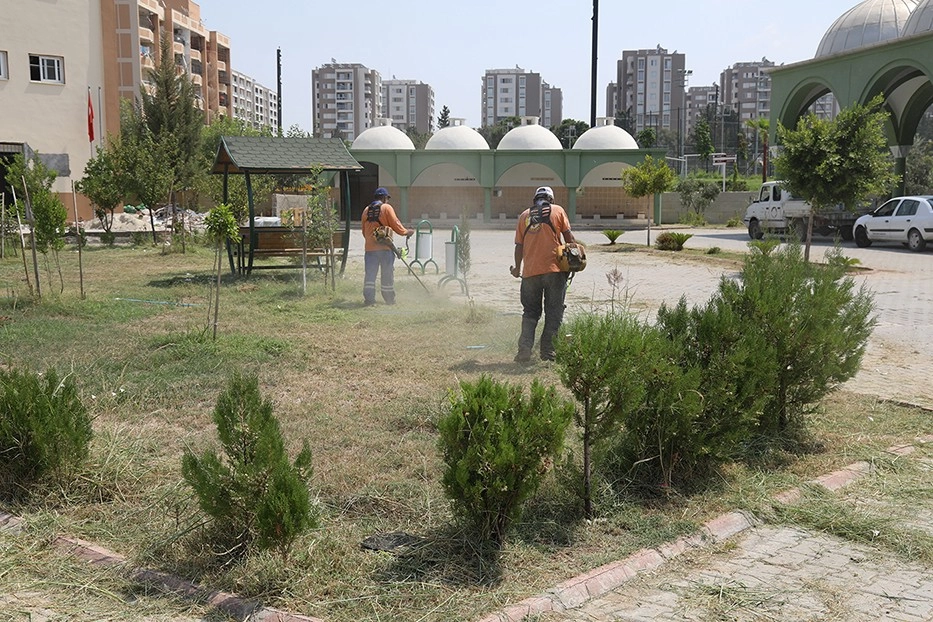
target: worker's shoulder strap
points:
(538, 214)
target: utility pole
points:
(593, 68)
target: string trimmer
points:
(402, 253)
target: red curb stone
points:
(646, 559)
(788, 496)
(10, 523)
(727, 525)
(843, 477)
(670, 550)
(88, 551)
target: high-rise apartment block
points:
(519, 93)
(254, 103)
(699, 100)
(346, 98)
(649, 89)
(132, 47)
(746, 89)
(409, 103)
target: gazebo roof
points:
(281, 155)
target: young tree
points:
(143, 159)
(840, 162)
(651, 177)
(221, 226)
(103, 184)
(703, 140)
(647, 138)
(697, 194)
(494, 133)
(443, 120)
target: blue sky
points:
(450, 45)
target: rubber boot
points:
(526, 340)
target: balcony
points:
(195, 55)
(146, 34)
(178, 47)
(146, 61)
(197, 80)
(221, 65)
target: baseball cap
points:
(382, 192)
(545, 191)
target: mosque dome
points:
(530, 136)
(870, 21)
(383, 136)
(921, 19)
(457, 137)
(605, 135)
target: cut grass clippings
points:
(365, 387)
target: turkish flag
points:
(90, 118)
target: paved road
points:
(897, 364)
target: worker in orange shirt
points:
(379, 222)
(537, 237)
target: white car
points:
(908, 220)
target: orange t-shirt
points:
(539, 242)
(387, 218)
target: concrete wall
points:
(727, 205)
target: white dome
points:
(605, 137)
(530, 137)
(457, 137)
(871, 21)
(383, 137)
(921, 19)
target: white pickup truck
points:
(778, 212)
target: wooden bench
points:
(283, 242)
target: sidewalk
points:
(738, 569)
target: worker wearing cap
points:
(537, 237)
(378, 222)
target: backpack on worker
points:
(382, 234)
(571, 257)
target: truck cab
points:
(777, 211)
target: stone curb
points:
(578, 590)
(229, 603)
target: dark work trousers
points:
(550, 287)
(382, 262)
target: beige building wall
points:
(51, 116)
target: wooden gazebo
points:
(270, 155)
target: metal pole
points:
(31, 218)
(74, 199)
(593, 69)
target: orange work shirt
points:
(539, 242)
(387, 218)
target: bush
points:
(45, 430)
(735, 221)
(496, 443)
(809, 322)
(599, 362)
(255, 495)
(612, 234)
(692, 219)
(108, 238)
(671, 241)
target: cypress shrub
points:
(496, 443)
(45, 430)
(808, 323)
(254, 495)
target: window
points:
(4, 72)
(46, 69)
(908, 208)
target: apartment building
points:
(254, 103)
(346, 98)
(51, 69)
(65, 66)
(699, 100)
(650, 89)
(409, 103)
(519, 93)
(746, 89)
(132, 47)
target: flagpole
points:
(100, 117)
(90, 122)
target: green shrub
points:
(692, 219)
(108, 238)
(657, 442)
(735, 221)
(45, 430)
(139, 238)
(612, 234)
(255, 495)
(671, 240)
(495, 443)
(809, 321)
(713, 250)
(599, 361)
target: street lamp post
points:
(682, 116)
